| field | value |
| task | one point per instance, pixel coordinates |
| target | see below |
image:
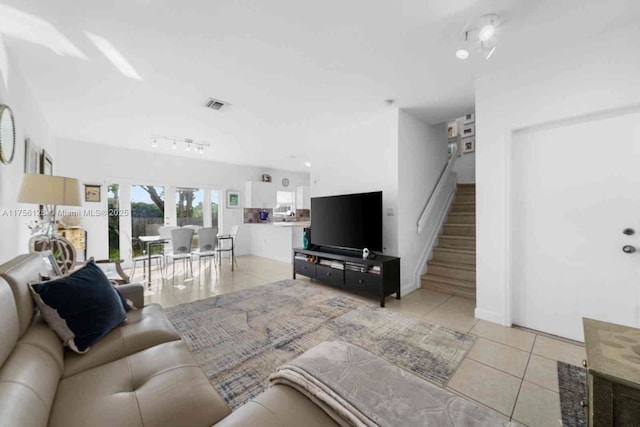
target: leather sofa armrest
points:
(133, 292)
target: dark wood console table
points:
(379, 277)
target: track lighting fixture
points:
(190, 144)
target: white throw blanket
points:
(359, 389)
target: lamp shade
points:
(50, 190)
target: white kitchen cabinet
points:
(260, 195)
(303, 197)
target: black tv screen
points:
(351, 221)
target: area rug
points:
(572, 380)
(242, 337)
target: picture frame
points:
(469, 130)
(452, 129)
(31, 157)
(92, 193)
(233, 199)
(46, 163)
(468, 145)
(469, 118)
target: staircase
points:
(452, 269)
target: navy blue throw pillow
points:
(81, 307)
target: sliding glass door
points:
(189, 206)
(147, 214)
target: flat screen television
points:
(350, 221)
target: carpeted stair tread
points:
(448, 281)
(452, 265)
(430, 283)
(449, 236)
(457, 255)
(456, 250)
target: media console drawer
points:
(363, 282)
(305, 268)
(330, 275)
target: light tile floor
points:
(510, 370)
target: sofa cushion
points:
(143, 329)
(159, 386)
(9, 326)
(28, 382)
(81, 307)
(279, 406)
(18, 273)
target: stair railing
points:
(442, 183)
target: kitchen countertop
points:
(282, 223)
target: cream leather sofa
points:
(140, 374)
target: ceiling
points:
(290, 68)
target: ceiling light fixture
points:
(462, 54)
(190, 144)
(307, 164)
(484, 33)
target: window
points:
(285, 203)
(147, 214)
(214, 208)
(189, 206)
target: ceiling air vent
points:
(216, 104)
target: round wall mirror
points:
(7, 135)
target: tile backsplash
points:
(252, 215)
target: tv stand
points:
(379, 277)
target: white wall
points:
(30, 122)
(103, 165)
(598, 75)
(422, 156)
(390, 151)
(359, 158)
(465, 168)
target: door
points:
(575, 187)
(147, 215)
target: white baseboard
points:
(491, 316)
(407, 289)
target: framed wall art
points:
(46, 163)
(92, 193)
(233, 199)
(452, 129)
(468, 130)
(468, 145)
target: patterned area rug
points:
(242, 337)
(572, 380)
